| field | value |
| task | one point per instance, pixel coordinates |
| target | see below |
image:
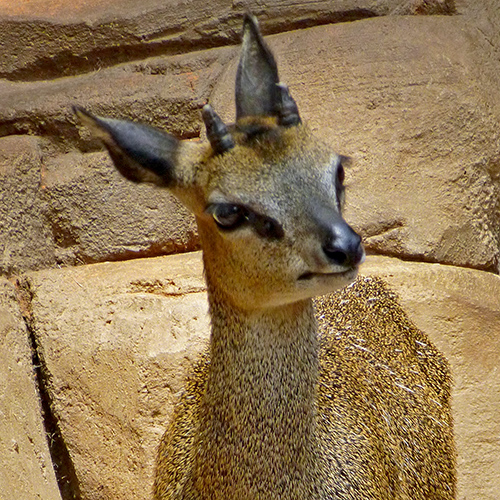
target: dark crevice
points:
(55, 130)
(63, 133)
(68, 63)
(493, 268)
(61, 459)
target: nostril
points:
(336, 255)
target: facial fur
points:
(290, 180)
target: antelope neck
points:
(273, 353)
(258, 408)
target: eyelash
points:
(229, 217)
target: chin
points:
(322, 284)
(310, 286)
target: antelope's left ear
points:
(258, 91)
(141, 153)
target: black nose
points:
(343, 245)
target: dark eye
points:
(340, 174)
(227, 216)
(339, 186)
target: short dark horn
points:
(217, 132)
(288, 112)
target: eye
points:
(227, 216)
(340, 174)
(339, 185)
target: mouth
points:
(341, 274)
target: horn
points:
(288, 111)
(217, 132)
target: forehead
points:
(283, 164)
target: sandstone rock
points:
(26, 471)
(424, 7)
(26, 241)
(460, 311)
(165, 92)
(76, 208)
(484, 17)
(396, 94)
(115, 342)
(65, 38)
(96, 215)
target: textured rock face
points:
(75, 209)
(115, 341)
(26, 470)
(26, 240)
(95, 215)
(70, 37)
(413, 100)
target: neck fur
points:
(257, 415)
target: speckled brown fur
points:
(382, 423)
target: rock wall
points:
(94, 350)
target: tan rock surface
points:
(396, 94)
(484, 16)
(118, 338)
(115, 341)
(76, 209)
(162, 91)
(26, 241)
(95, 214)
(26, 471)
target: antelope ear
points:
(257, 93)
(141, 153)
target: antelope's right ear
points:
(141, 153)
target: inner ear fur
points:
(142, 153)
